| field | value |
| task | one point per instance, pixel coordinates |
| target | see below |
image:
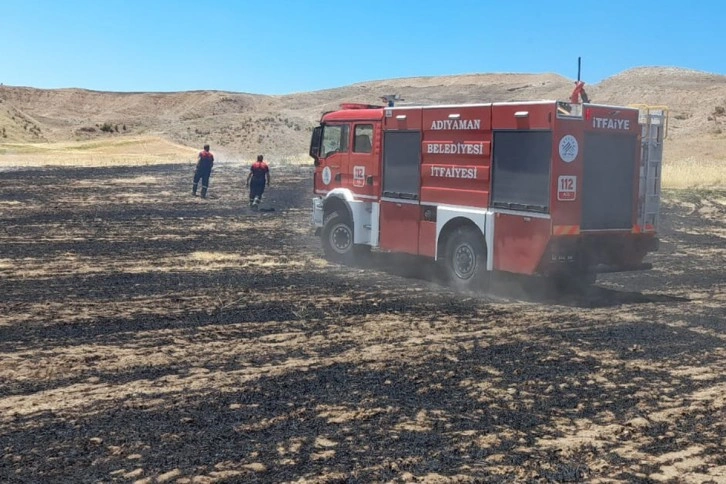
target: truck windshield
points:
(335, 139)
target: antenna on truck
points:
(391, 99)
(579, 91)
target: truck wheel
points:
(337, 238)
(465, 260)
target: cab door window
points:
(362, 139)
(335, 139)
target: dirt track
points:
(146, 335)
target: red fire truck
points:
(556, 188)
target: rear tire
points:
(465, 260)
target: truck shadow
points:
(542, 290)
(513, 287)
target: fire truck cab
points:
(549, 187)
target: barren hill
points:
(240, 125)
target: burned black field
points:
(150, 336)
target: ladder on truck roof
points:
(653, 121)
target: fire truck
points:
(564, 189)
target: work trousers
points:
(257, 188)
(202, 173)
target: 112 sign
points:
(566, 188)
(359, 176)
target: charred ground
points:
(149, 335)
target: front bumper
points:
(318, 213)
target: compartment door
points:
(608, 181)
(400, 209)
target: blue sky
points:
(286, 46)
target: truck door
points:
(334, 157)
(520, 197)
(364, 170)
(400, 208)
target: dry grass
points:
(302, 159)
(694, 163)
(694, 173)
(126, 151)
(138, 150)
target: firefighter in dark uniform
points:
(205, 161)
(259, 176)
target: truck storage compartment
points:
(608, 181)
(521, 170)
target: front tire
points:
(465, 260)
(337, 239)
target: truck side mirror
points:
(315, 144)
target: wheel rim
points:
(464, 261)
(341, 238)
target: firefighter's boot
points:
(204, 191)
(194, 190)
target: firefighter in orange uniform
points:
(205, 161)
(258, 176)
